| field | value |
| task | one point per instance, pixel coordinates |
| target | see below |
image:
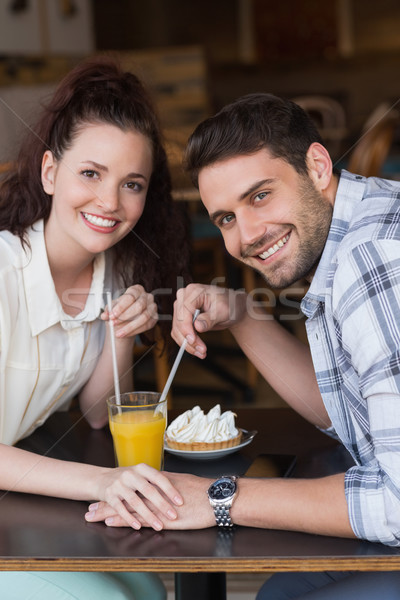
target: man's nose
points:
(251, 230)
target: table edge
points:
(227, 565)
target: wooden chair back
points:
(5, 167)
(371, 151)
(329, 117)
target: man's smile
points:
(263, 249)
(270, 251)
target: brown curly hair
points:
(156, 253)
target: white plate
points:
(247, 437)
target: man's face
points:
(271, 218)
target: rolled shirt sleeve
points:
(353, 327)
(366, 310)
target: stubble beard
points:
(313, 213)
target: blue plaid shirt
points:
(353, 327)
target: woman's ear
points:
(48, 172)
(319, 165)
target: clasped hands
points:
(141, 496)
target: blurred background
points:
(340, 60)
(345, 50)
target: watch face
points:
(222, 489)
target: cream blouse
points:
(46, 356)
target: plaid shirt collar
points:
(349, 194)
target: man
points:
(267, 182)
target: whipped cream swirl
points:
(195, 426)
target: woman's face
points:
(98, 188)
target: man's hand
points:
(220, 308)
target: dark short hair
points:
(249, 124)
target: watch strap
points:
(222, 516)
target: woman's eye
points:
(134, 185)
(89, 173)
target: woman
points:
(87, 210)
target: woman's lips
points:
(100, 224)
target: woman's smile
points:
(100, 224)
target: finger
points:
(164, 483)
(112, 518)
(182, 326)
(104, 315)
(127, 505)
(159, 479)
(136, 505)
(102, 511)
(185, 306)
(138, 324)
(125, 515)
(127, 299)
(194, 345)
(134, 302)
(150, 485)
(145, 305)
(135, 313)
(150, 475)
(99, 511)
(115, 521)
(126, 492)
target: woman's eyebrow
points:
(101, 167)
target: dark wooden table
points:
(41, 533)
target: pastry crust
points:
(202, 446)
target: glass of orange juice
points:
(137, 424)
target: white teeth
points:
(274, 248)
(99, 221)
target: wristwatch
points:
(221, 495)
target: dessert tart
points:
(202, 446)
(193, 431)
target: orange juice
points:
(138, 437)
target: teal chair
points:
(44, 585)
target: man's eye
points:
(227, 219)
(260, 196)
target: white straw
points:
(176, 363)
(113, 352)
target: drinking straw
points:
(113, 352)
(176, 362)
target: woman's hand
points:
(136, 495)
(194, 513)
(132, 313)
